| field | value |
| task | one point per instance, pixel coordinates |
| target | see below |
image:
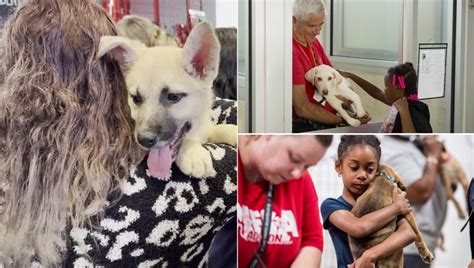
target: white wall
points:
(226, 13)
(271, 66)
(469, 114)
(457, 253)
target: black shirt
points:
(420, 115)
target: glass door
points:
(244, 96)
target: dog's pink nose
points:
(325, 91)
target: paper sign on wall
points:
(431, 70)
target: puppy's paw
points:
(353, 122)
(195, 161)
(426, 256)
(361, 113)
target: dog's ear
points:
(122, 49)
(201, 53)
(311, 75)
(338, 77)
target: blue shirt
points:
(339, 238)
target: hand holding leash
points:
(399, 200)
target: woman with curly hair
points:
(66, 123)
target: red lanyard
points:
(306, 55)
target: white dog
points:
(330, 83)
(170, 98)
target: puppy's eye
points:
(330, 78)
(175, 97)
(137, 99)
(320, 79)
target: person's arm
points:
(307, 110)
(405, 116)
(402, 237)
(369, 223)
(368, 87)
(307, 257)
(421, 190)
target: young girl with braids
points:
(407, 114)
(357, 162)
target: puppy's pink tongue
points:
(159, 162)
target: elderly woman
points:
(310, 114)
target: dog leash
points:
(470, 200)
(267, 220)
(468, 220)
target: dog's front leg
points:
(195, 160)
(356, 101)
(447, 175)
(359, 108)
(343, 113)
(420, 243)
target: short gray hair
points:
(302, 8)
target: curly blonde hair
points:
(65, 124)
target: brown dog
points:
(453, 173)
(377, 196)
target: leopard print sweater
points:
(163, 223)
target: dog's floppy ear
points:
(338, 77)
(311, 75)
(122, 49)
(201, 52)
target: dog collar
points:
(386, 176)
(322, 101)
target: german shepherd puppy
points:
(170, 98)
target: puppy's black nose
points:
(146, 141)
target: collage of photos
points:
(237, 133)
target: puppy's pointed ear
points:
(122, 49)
(201, 53)
(311, 75)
